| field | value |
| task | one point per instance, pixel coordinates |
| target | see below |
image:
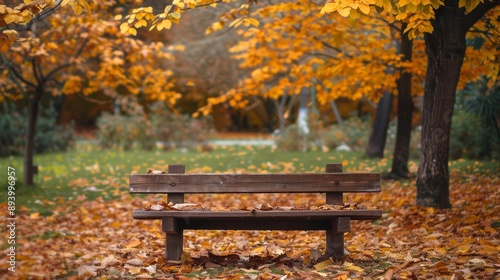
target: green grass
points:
(88, 171)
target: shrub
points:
(49, 136)
(354, 134)
(160, 124)
(474, 132)
(470, 137)
(12, 126)
(292, 139)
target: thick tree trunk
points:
(405, 111)
(445, 53)
(378, 135)
(29, 146)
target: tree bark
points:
(405, 110)
(29, 146)
(376, 143)
(445, 49)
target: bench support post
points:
(335, 236)
(174, 234)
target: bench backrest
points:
(334, 181)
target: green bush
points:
(118, 130)
(470, 137)
(12, 126)
(354, 134)
(292, 139)
(49, 136)
(475, 132)
(143, 130)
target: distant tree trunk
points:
(58, 105)
(336, 112)
(405, 111)
(280, 112)
(378, 135)
(29, 146)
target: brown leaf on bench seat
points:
(263, 207)
(284, 208)
(186, 206)
(157, 207)
(302, 207)
(361, 206)
(155, 172)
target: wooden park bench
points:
(334, 183)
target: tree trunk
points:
(29, 146)
(378, 135)
(445, 49)
(405, 111)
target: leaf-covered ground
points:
(99, 239)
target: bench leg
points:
(174, 247)
(335, 236)
(174, 236)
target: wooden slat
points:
(257, 224)
(242, 215)
(255, 183)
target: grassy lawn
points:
(90, 171)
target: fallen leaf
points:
(322, 265)
(135, 262)
(186, 206)
(133, 243)
(157, 207)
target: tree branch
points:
(15, 73)
(35, 72)
(476, 14)
(45, 13)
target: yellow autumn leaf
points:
(77, 9)
(133, 243)
(132, 31)
(354, 268)
(10, 18)
(34, 216)
(328, 8)
(166, 24)
(365, 9)
(345, 12)
(324, 264)
(175, 15)
(85, 5)
(401, 16)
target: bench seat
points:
(176, 221)
(361, 214)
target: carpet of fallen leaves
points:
(100, 240)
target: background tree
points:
(444, 25)
(68, 54)
(297, 48)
